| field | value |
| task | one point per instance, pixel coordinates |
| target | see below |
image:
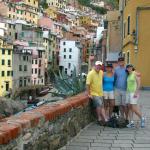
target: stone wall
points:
(48, 127)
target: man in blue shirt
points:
(120, 87)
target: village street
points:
(95, 137)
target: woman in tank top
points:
(108, 90)
(133, 86)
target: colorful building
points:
(6, 72)
(61, 4)
(85, 20)
(136, 35)
(23, 9)
(51, 12)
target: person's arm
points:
(138, 81)
(88, 91)
(88, 82)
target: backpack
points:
(117, 122)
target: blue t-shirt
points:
(120, 78)
(108, 83)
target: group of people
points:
(117, 86)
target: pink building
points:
(38, 66)
(46, 22)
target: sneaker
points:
(131, 125)
(143, 122)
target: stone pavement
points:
(95, 137)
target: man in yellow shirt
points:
(94, 84)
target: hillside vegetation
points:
(100, 10)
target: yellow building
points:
(136, 36)
(85, 20)
(51, 12)
(26, 10)
(61, 4)
(5, 68)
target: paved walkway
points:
(95, 137)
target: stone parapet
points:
(48, 127)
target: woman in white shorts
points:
(133, 85)
(108, 88)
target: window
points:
(25, 82)
(128, 57)
(32, 61)
(3, 62)
(69, 65)
(39, 72)
(9, 52)
(20, 82)
(24, 58)
(64, 43)
(70, 56)
(128, 25)
(35, 70)
(16, 36)
(64, 56)
(7, 86)
(8, 73)
(124, 30)
(3, 73)
(36, 61)
(125, 3)
(9, 62)
(65, 70)
(39, 63)
(3, 52)
(25, 67)
(64, 49)
(32, 71)
(20, 67)
(70, 49)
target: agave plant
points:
(69, 86)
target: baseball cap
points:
(129, 65)
(121, 59)
(98, 63)
(109, 65)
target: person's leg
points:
(106, 107)
(118, 99)
(112, 105)
(131, 121)
(106, 103)
(126, 111)
(135, 109)
(98, 103)
(124, 104)
(130, 112)
(98, 113)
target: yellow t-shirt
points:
(94, 80)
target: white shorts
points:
(130, 99)
(108, 95)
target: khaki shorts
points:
(97, 101)
(120, 97)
